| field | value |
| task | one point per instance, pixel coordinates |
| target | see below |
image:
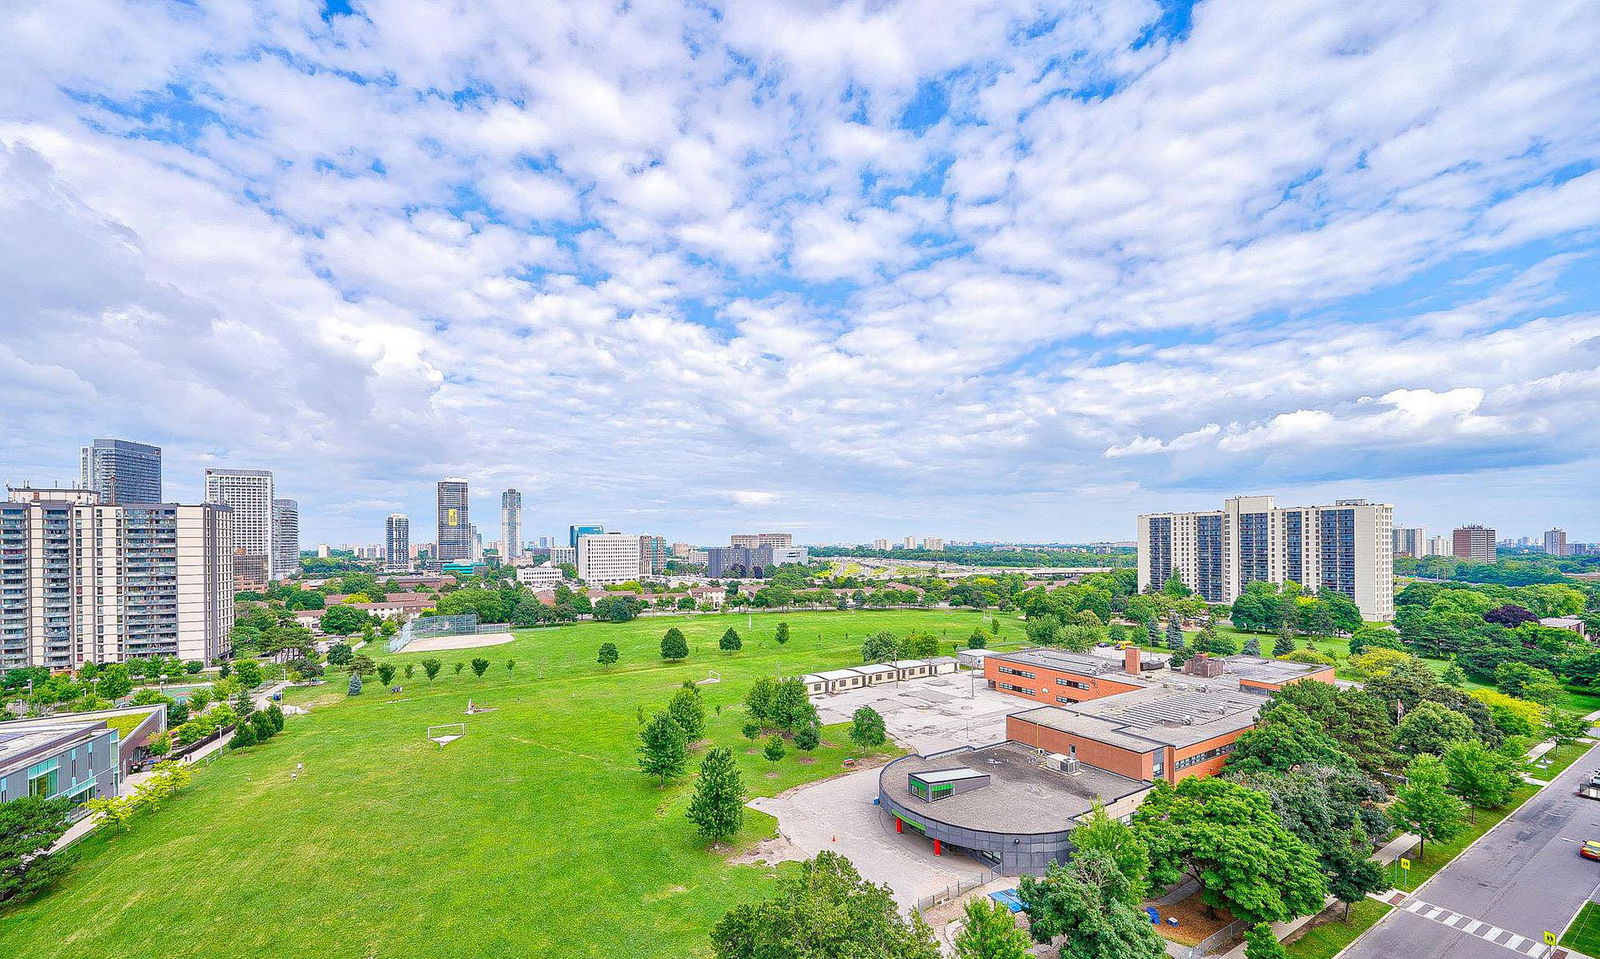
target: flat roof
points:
(1083, 664)
(1144, 720)
(27, 741)
(1263, 670)
(838, 674)
(1021, 796)
(872, 668)
(950, 775)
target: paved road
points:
(1500, 896)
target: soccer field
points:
(534, 835)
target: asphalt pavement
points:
(1499, 897)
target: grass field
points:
(1584, 933)
(1326, 939)
(535, 835)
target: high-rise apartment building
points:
(454, 537)
(249, 494)
(1555, 542)
(397, 540)
(1346, 547)
(681, 550)
(573, 532)
(932, 542)
(82, 581)
(122, 471)
(755, 540)
(652, 555)
(881, 545)
(1475, 543)
(910, 542)
(1439, 546)
(605, 558)
(1410, 541)
(285, 538)
(510, 524)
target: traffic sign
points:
(1549, 938)
(1405, 864)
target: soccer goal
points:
(447, 733)
(715, 677)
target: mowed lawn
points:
(535, 835)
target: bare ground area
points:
(439, 644)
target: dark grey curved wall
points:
(1018, 852)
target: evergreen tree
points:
(782, 635)
(663, 748)
(674, 645)
(262, 723)
(774, 749)
(990, 932)
(717, 808)
(29, 826)
(355, 685)
(244, 736)
(1152, 632)
(1252, 646)
(730, 641)
(1285, 643)
(275, 714)
(608, 654)
(807, 738)
(1175, 640)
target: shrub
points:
(479, 666)
(774, 750)
(807, 738)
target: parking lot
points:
(929, 715)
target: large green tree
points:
(826, 911)
(674, 645)
(1228, 839)
(990, 932)
(1099, 832)
(1431, 728)
(663, 748)
(29, 826)
(1285, 738)
(717, 809)
(880, 647)
(689, 712)
(866, 728)
(1423, 803)
(1484, 778)
(1089, 902)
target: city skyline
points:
(825, 285)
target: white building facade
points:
(397, 540)
(608, 558)
(1347, 547)
(249, 494)
(285, 538)
(510, 524)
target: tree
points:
(774, 749)
(1484, 778)
(479, 666)
(1098, 832)
(342, 620)
(159, 745)
(511, 666)
(717, 808)
(807, 738)
(355, 685)
(1374, 637)
(458, 667)
(1285, 738)
(1510, 616)
(275, 714)
(1260, 942)
(1088, 901)
(431, 667)
(674, 645)
(608, 654)
(114, 682)
(1564, 728)
(1351, 875)
(361, 664)
(978, 639)
(880, 647)
(826, 911)
(249, 673)
(245, 735)
(340, 654)
(385, 673)
(689, 713)
(990, 932)
(1152, 631)
(29, 826)
(1252, 646)
(115, 811)
(1526, 682)
(1377, 661)
(663, 748)
(1175, 639)
(760, 698)
(782, 635)
(1430, 727)
(730, 641)
(1284, 644)
(791, 706)
(1453, 675)
(1424, 805)
(1228, 839)
(262, 723)
(866, 728)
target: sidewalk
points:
(82, 827)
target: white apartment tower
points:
(285, 538)
(1347, 547)
(397, 540)
(510, 525)
(91, 582)
(1555, 542)
(1410, 541)
(608, 558)
(249, 493)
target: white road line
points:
(1433, 913)
(1521, 945)
(1414, 905)
(1473, 926)
(1514, 943)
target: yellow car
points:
(1590, 850)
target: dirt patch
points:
(1195, 922)
(807, 760)
(441, 643)
(769, 852)
(771, 775)
(752, 751)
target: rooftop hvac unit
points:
(1070, 767)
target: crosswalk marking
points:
(1504, 938)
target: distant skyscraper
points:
(510, 524)
(455, 528)
(1410, 541)
(881, 545)
(910, 542)
(1555, 542)
(932, 543)
(1439, 546)
(1473, 542)
(285, 537)
(122, 471)
(1346, 547)
(397, 540)
(652, 554)
(249, 492)
(573, 532)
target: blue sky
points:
(1017, 270)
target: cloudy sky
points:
(1010, 269)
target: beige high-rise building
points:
(880, 545)
(1555, 542)
(607, 558)
(104, 583)
(249, 493)
(1347, 547)
(1410, 541)
(932, 543)
(1473, 542)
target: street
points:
(1522, 878)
